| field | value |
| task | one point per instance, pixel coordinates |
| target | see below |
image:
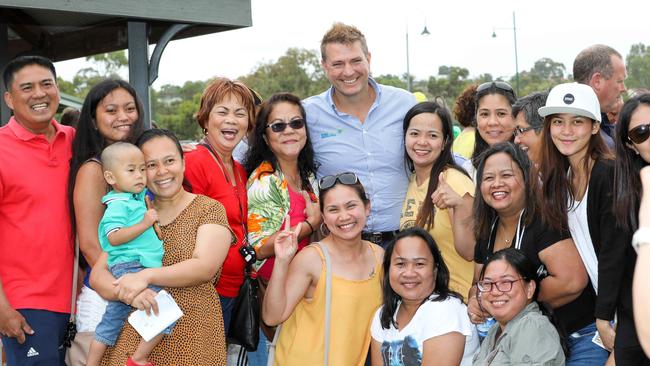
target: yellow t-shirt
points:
(461, 271)
(464, 144)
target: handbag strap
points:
(328, 298)
(75, 275)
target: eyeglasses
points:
(518, 130)
(329, 181)
(502, 286)
(296, 124)
(498, 84)
(639, 133)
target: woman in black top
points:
(507, 215)
(632, 154)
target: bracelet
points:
(310, 227)
(641, 237)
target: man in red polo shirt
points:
(36, 242)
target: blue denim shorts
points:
(117, 312)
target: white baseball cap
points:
(574, 98)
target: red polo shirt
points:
(36, 242)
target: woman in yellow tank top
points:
(295, 296)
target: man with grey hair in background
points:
(602, 68)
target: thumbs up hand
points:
(444, 196)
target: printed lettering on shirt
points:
(338, 131)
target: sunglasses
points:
(518, 130)
(296, 124)
(497, 84)
(329, 181)
(639, 133)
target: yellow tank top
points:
(302, 339)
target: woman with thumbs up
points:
(440, 194)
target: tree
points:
(392, 80)
(105, 65)
(298, 71)
(173, 107)
(638, 66)
(449, 83)
(544, 75)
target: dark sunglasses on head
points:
(296, 124)
(329, 181)
(518, 130)
(498, 84)
(639, 133)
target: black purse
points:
(245, 317)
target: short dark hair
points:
(19, 62)
(518, 261)
(159, 132)
(357, 187)
(529, 106)
(484, 215)
(441, 286)
(593, 59)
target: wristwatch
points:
(641, 237)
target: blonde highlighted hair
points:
(345, 34)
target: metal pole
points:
(139, 66)
(514, 31)
(408, 65)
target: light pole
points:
(514, 32)
(425, 32)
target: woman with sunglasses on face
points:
(494, 121)
(282, 184)
(296, 293)
(577, 176)
(507, 215)
(439, 197)
(632, 154)
(522, 334)
(226, 114)
(421, 319)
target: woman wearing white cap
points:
(577, 174)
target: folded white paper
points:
(148, 326)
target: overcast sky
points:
(461, 35)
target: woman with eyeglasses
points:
(282, 184)
(522, 335)
(296, 297)
(578, 176)
(632, 154)
(507, 214)
(494, 121)
(421, 319)
(528, 130)
(226, 113)
(439, 197)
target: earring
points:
(205, 131)
(324, 230)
